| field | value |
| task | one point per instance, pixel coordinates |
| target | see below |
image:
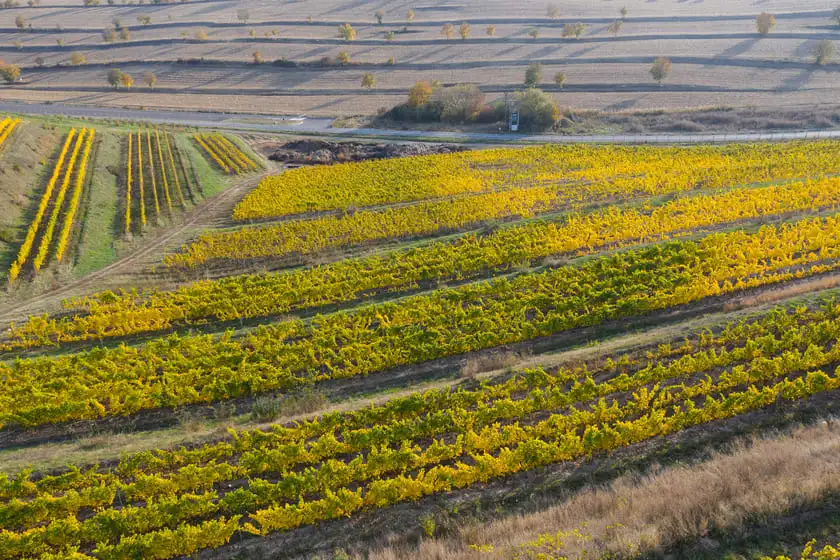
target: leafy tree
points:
(552, 11)
(109, 35)
(125, 34)
(535, 33)
(409, 17)
(560, 79)
(78, 59)
(389, 36)
(491, 30)
(20, 22)
(391, 61)
(537, 110)
(346, 32)
(201, 35)
(145, 20)
(578, 30)
(419, 94)
(59, 42)
(343, 58)
(126, 81)
(533, 75)
(464, 31)
(823, 52)
(660, 69)
(765, 22)
(114, 77)
(258, 57)
(10, 73)
(18, 44)
(623, 13)
(615, 27)
(149, 79)
(380, 15)
(461, 103)
(448, 30)
(243, 15)
(117, 23)
(368, 80)
(252, 33)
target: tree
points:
(368, 80)
(380, 15)
(343, 58)
(615, 27)
(126, 81)
(389, 36)
(391, 61)
(252, 33)
(109, 35)
(823, 52)
(623, 12)
(660, 69)
(258, 57)
(201, 35)
(243, 15)
(578, 30)
(145, 20)
(552, 11)
(560, 79)
(419, 94)
(533, 75)
(78, 59)
(125, 34)
(39, 62)
(447, 30)
(149, 79)
(464, 31)
(114, 77)
(117, 23)
(765, 22)
(59, 42)
(461, 103)
(346, 32)
(535, 33)
(537, 110)
(20, 22)
(10, 73)
(409, 17)
(491, 30)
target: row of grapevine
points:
(374, 338)
(410, 447)
(469, 257)
(7, 125)
(225, 154)
(579, 174)
(51, 207)
(152, 178)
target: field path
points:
(126, 270)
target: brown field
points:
(718, 57)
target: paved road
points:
(320, 126)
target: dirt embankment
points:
(320, 152)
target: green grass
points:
(211, 181)
(96, 245)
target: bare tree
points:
(243, 15)
(149, 79)
(615, 27)
(20, 22)
(765, 23)
(660, 69)
(823, 52)
(552, 11)
(380, 15)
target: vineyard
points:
(416, 339)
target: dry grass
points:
(637, 514)
(787, 292)
(492, 362)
